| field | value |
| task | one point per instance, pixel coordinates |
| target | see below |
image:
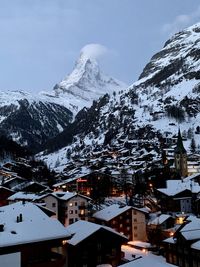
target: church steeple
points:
(179, 145)
(180, 157)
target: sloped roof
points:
(160, 219)
(111, 212)
(83, 229)
(36, 226)
(175, 187)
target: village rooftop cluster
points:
(103, 207)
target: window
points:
(70, 204)
(99, 259)
(82, 203)
(135, 220)
(71, 221)
(82, 212)
(75, 203)
(134, 212)
(76, 211)
(135, 227)
(53, 205)
(99, 246)
(121, 225)
(114, 251)
(71, 212)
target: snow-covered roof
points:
(196, 245)
(191, 231)
(145, 261)
(65, 195)
(111, 212)
(23, 195)
(191, 177)
(160, 219)
(83, 229)
(140, 244)
(177, 186)
(35, 226)
(170, 240)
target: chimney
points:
(19, 218)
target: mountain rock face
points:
(31, 120)
(165, 97)
(85, 84)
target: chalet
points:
(178, 196)
(27, 230)
(127, 220)
(12, 182)
(89, 245)
(183, 248)
(69, 207)
(160, 228)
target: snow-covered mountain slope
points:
(84, 84)
(165, 97)
(31, 120)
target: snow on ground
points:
(143, 258)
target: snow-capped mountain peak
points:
(85, 83)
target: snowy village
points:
(97, 171)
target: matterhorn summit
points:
(86, 82)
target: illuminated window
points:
(70, 204)
(71, 212)
(82, 212)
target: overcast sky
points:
(41, 39)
